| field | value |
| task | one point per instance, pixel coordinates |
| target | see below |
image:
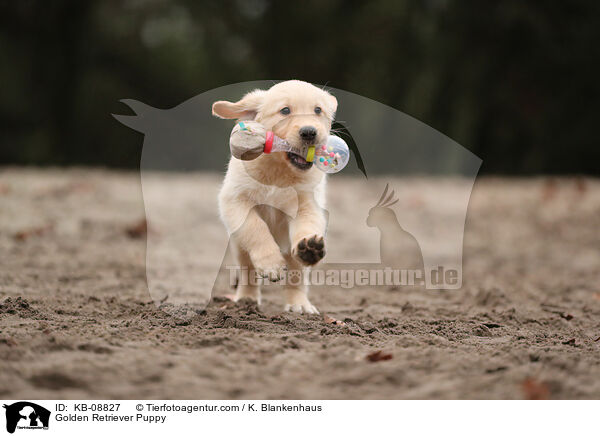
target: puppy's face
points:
(294, 110)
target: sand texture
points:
(77, 320)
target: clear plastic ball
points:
(333, 156)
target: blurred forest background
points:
(515, 82)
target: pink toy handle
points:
(269, 137)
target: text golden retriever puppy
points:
(254, 193)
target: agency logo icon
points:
(24, 415)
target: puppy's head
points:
(294, 110)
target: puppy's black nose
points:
(308, 133)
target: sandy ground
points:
(77, 321)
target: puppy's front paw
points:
(301, 308)
(310, 250)
(297, 302)
(272, 267)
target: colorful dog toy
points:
(250, 139)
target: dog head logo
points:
(26, 415)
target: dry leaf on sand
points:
(535, 390)
(330, 320)
(378, 356)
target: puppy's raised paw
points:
(310, 250)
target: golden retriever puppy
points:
(273, 206)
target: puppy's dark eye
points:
(285, 111)
(318, 110)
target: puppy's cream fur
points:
(266, 239)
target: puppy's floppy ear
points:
(333, 104)
(245, 109)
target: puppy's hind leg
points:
(247, 285)
(296, 292)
